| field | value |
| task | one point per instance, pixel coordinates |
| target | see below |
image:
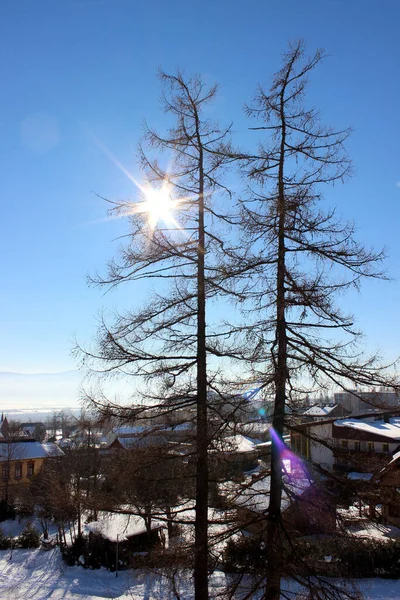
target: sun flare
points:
(158, 205)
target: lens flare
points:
(158, 204)
(293, 466)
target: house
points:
(306, 508)
(258, 431)
(142, 436)
(353, 444)
(35, 431)
(231, 455)
(4, 427)
(21, 460)
(388, 480)
(121, 535)
(365, 443)
(357, 402)
(319, 412)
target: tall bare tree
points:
(166, 342)
(298, 257)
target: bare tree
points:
(298, 258)
(167, 343)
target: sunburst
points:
(158, 205)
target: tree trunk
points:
(169, 522)
(201, 525)
(274, 529)
(78, 491)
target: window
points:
(385, 447)
(5, 472)
(371, 446)
(18, 470)
(357, 446)
(344, 444)
(30, 469)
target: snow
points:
(320, 411)
(255, 496)
(390, 430)
(258, 428)
(395, 457)
(129, 442)
(118, 527)
(377, 531)
(129, 431)
(13, 527)
(357, 522)
(28, 450)
(39, 575)
(236, 443)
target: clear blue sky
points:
(76, 66)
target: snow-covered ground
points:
(359, 524)
(39, 575)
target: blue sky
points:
(76, 68)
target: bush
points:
(7, 510)
(5, 542)
(29, 537)
(351, 557)
(374, 558)
(78, 548)
(248, 554)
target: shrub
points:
(29, 537)
(78, 548)
(248, 554)
(7, 510)
(5, 542)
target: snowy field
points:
(39, 575)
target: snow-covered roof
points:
(129, 442)
(28, 450)
(32, 426)
(118, 527)
(389, 465)
(129, 431)
(262, 445)
(396, 456)
(255, 496)
(236, 443)
(141, 430)
(65, 443)
(391, 429)
(259, 427)
(141, 441)
(320, 411)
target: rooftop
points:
(28, 450)
(389, 429)
(119, 527)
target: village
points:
(199, 346)
(122, 496)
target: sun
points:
(158, 205)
